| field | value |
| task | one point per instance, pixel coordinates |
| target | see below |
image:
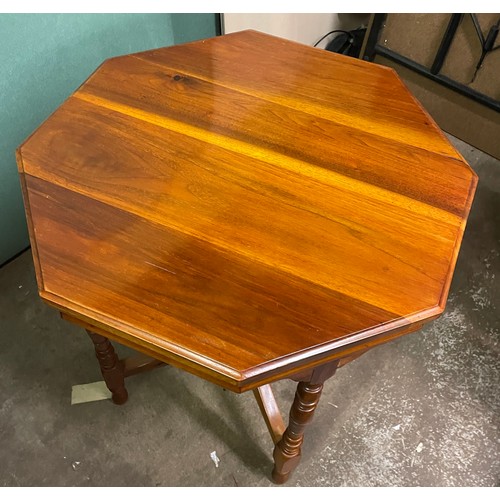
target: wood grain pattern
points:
(245, 207)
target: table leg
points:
(112, 368)
(287, 450)
(270, 411)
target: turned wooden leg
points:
(287, 450)
(111, 367)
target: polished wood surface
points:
(245, 207)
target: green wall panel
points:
(189, 27)
(44, 58)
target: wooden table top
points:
(244, 206)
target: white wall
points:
(304, 28)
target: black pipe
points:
(444, 47)
(377, 22)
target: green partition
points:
(45, 57)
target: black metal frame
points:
(218, 24)
(372, 48)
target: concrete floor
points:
(420, 411)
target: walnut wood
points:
(288, 449)
(132, 365)
(111, 367)
(270, 411)
(245, 207)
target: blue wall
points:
(44, 58)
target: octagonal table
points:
(245, 208)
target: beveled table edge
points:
(222, 375)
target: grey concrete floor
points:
(420, 411)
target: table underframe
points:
(287, 439)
